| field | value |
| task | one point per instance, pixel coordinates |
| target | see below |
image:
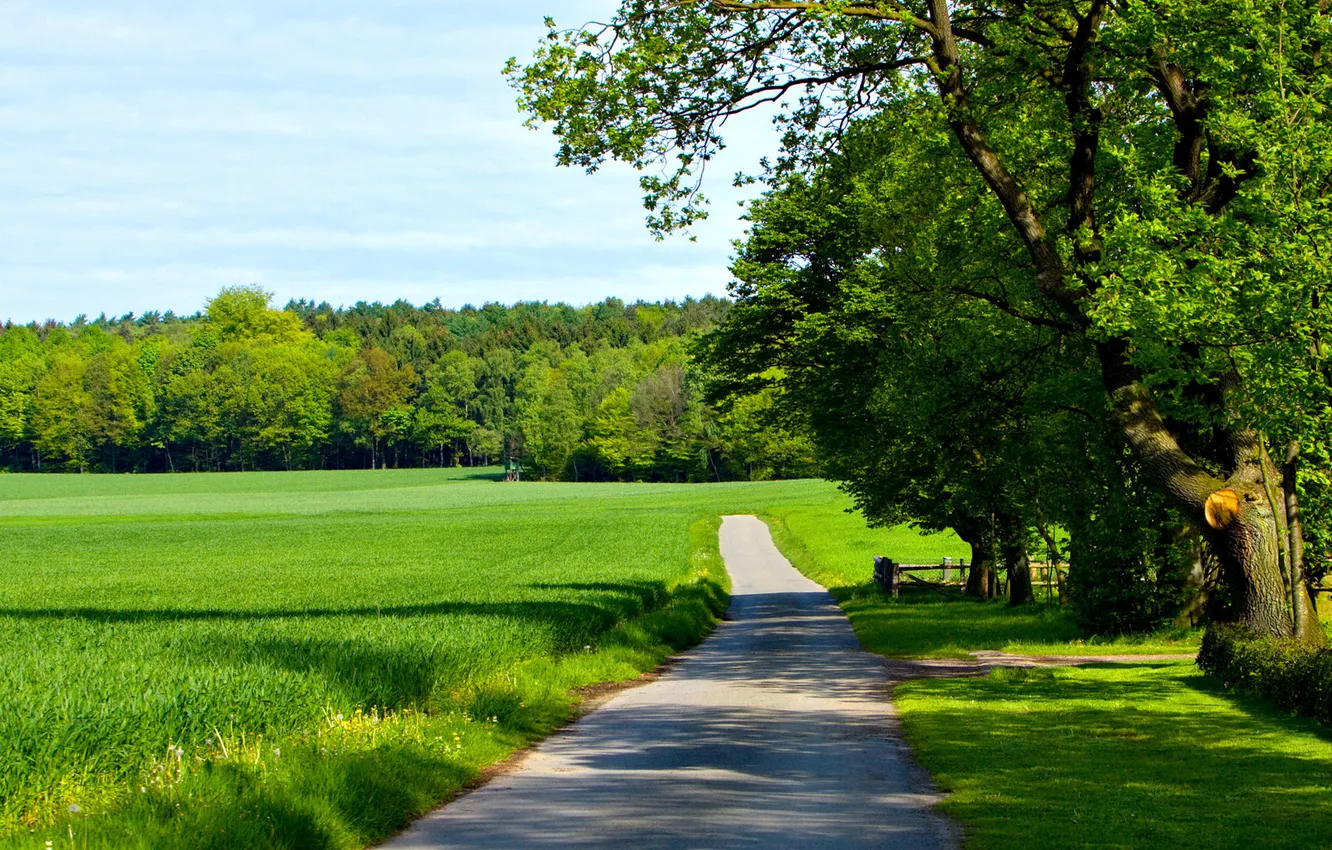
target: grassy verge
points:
(1144, 754)
(836, 550)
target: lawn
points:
(1119, 755)
(308, 659)
(1134, 755)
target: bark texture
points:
(1016, 561)
(978, 536)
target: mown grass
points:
(1137, 755)
(1119, 755)
(309, 659)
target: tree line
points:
(603, 392)
(1051, 274)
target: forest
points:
(604, 392)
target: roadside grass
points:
(836, 549)
(1133, 755)
(1119, 755)
(311, 659)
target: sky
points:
(152, 152)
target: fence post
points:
(897, 576)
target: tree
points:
(372, 396)
(62, 415)
(243, 312)
(20, 369)
(549, 419)
(614, 439)
(762, 441)
(121, 397)
(1140, 165)
(290, 399)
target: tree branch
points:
(946, 65)
(1085, 120)
(1003, 306)
(884, 10)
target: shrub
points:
(1288, 674)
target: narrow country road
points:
(776, 732)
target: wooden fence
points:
(890, 575)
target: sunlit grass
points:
(1119, 755)
(1139, 755)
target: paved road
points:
(775, 732)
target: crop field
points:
(308, 659)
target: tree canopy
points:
(1142, 184)
(607, 391)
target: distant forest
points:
(603, 392)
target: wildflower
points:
(339, 718)
(74, 808)
(277, 752)
(143, 790)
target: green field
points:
(186, 656)
(310, 659)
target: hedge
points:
(1290, 675)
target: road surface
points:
(775, 732)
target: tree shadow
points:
(922, 624)
(1259, 708)
(605, 609)
(637, 596)
(661, 776)
(480, 476)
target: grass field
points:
(1129, 755)
(307, 659)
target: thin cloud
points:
(329, 150)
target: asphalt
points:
(777, 731)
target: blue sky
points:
(156, 151)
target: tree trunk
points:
(1014, 547)
(977, 535)
(1241, 523)
(1307, 627)
(1195, 585)
(1246, 544)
